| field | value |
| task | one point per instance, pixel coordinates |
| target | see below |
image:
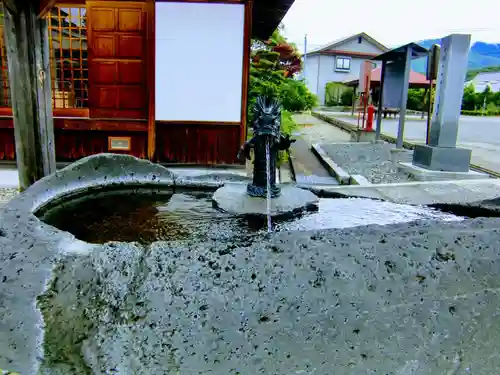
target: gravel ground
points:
(6, 194)
(372, 161)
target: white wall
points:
(365, 46)
(311, 73)
(199, 61)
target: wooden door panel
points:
(104, 46)
(130, 20)
(130, 46)
(131, 72)
(107, 96)
(131, 97)
(117, 59)
(103, 19)
(104, 72)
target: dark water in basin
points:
(146, 217)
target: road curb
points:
(333, 169)
(357, 179)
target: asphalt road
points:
(480, 134)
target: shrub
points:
(288, 125)
(333, 93)
(481, 112)
(346, 97)
(295, 96)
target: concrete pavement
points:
(421, 193)
(307, 167)
(480, 134)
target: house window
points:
(68, 57)
(360, 40)
(343, 64)
(374, 65)
(4, 72)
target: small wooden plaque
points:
(119, 143)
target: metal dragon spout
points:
(266, 124)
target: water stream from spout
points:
(268, 186)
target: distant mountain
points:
(482, 55)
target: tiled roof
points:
(339, 41)
(415, 77)
(267, 15)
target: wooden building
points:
(164, 80)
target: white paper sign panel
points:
(199, 61)
(393, 84)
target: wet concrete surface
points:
(411, 298)
(480, 134)
(405, 299)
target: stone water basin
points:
(183, 288)
(147, 216)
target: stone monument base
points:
(423, 174)
(361, 135)
(233, 198)
(446, 159)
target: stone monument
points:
(441, 154)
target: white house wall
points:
(311, 73)
(322, 67)
(354, 46)
(199, 61)
(327, 73)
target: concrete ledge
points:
(291, 159)
(423, 174)
(396, 154)
(419, 193)
(336, 171)
(357, 179)
(363, 136)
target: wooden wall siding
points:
(77, 138)
(4, 73)
(117, 38)
(7, 143)
(73, 145)
(197, 144)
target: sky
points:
(391, 22)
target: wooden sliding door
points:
(117, 59)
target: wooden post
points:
(378, 128)
(429, 114)
(27, 45)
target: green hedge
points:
(481, 113)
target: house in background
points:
(339, 61)
(482, 80)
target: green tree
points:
(346, 97)
(416, 99)
(469, 99)
(487, 96)
(274, 66)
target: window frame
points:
(342, 68)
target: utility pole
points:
(305, 58)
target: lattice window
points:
(69, 57)
(4, 72)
